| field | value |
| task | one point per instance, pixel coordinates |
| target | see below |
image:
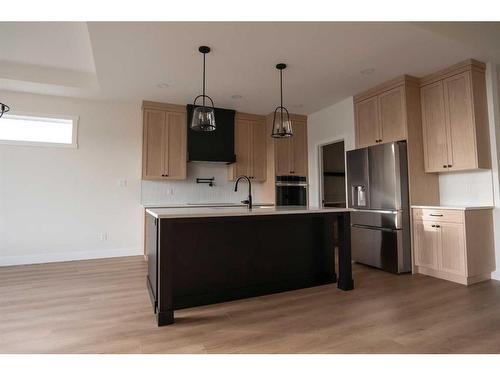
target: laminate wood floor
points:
(102, 306)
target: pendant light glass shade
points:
(4, 108)
(203, 119)
(282, 126)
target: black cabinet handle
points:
(438, 215)
(445, 166)
(449, 165)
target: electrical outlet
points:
(102, 236)
(122, 183)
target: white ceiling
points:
(127, 60)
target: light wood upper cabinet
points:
(291, 155)
(455, 119)
(392, 115)
(367, 122)
(455, 245)
(458, 109)
(154, 145)
(282, 156)
(164, 142)
(175, 157)
(298, 145)
(259, 151)
(380, 118)
(250, 148)
(434, 127)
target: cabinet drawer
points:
(432, 214)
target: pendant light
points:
(203, 116)
(282, 126)
(4, 108)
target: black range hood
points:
(214, 146)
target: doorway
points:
(333, 188)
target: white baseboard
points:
(495, 275)
(14, 260)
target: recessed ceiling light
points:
(367, 71)
(163, 85)
(236, 97)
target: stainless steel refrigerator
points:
(377, 181)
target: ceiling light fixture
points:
(163, 85)
(236, 97)
(282, 126)
(203, 116)
(4, 108)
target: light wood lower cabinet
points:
(249, 147)
(425, 244)
(164, 142)
(455, 245)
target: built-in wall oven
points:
(291, 191)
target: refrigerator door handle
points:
(378, 211)
(374, 228)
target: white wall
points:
(54, 202)
(334, 123)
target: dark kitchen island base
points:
(196, 261)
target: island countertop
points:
(192, 212)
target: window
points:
(34, 130)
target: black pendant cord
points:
(204, 54)
(281, 86)
(282, 125)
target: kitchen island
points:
(199, 256)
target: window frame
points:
(74, 130)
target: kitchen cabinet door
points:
(242, 146)
(258, 170)
(452, 249)
(283, 165)
(461, 135)
(426, 244)
(299, 149)
(367, 122)
(153, 144)
(434, 128)
(176, 142)
(392, 115)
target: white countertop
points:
(170, 213)
(461, 208)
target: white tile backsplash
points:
(188, 191)
(474, 188)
